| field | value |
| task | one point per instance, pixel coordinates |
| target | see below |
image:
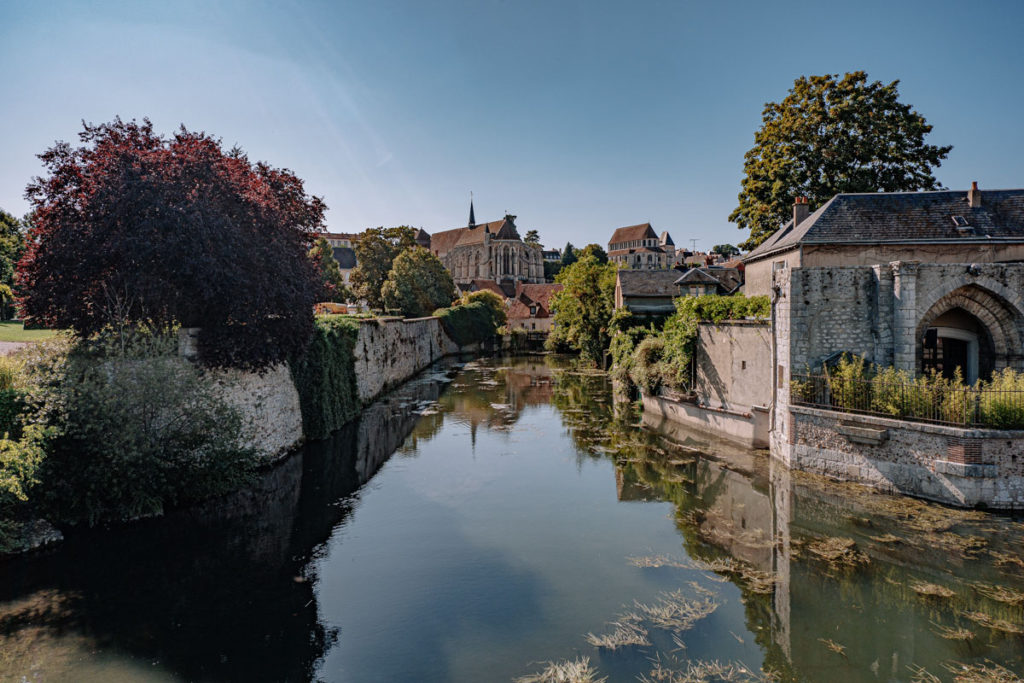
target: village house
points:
(530, 308)
(646, 292)
(490, 251)
(640, 248)
(710, 280)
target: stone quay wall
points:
(388, 351)
(951, 465)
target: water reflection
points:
(522, 509)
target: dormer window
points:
(960, 222)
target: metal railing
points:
(921, 400)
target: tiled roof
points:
(345, 257)
(446, 240)
(527, 295)
(648, 282)
(633, 232)
(666, 239)
(341, 236)
(903, 217)
(477, 284)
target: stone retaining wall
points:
(962, 467)
(391, 350)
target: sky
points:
(576, 116)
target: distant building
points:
(489, 251)
(640, 248)
(346, 258)
(530, 309)
(709, 280)
(646, 292)
(552, 255)
(342, 239)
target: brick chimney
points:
(974, 195)
(800, 211)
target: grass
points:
(14, 331)
(628, 633)
(578, 671)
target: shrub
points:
(491, 300)
(325, 377)
(1002, 405)
(468, 324)
(132, 429)
(647, 370)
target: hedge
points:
(325, 377)
(468, 323)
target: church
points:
(488, 251)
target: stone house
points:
(490, 251)
(530, 308)
(646, 292)
(709, 280)
(640, 248)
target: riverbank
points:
(480, 520)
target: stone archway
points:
(993, 341)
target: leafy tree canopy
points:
(12, 246)
(569, 255)
(418, 284)
(584, 307)
(490, 299)
(177, 231)
(595, 249)
(725, 250)
(532, 237)
(332, 280)
(832, 135)
(375, 254)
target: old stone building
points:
(490, 251)
(918, 280)
(640, 248)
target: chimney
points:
(974, 196)
(800, 211)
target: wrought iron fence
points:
(921, 400)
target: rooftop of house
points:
(532, 295)
(341, 236)
(697, 276)
(944, 216)
(637, 250)
(654, 283)
(632, 233)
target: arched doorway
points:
(958, 341)
(970, 329)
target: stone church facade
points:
(488, 251)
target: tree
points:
(375, 255)
(725, 250)
(551, 269)
(596, 250)
(832, 135)
(176, 232)
(532, 237)
(12, 246)
(569, 255)
(491, 300)
(332, 280)
(584, 307)
(418, 284)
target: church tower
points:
(472, 218)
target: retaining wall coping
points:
(893, 423)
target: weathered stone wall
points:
(964, 467)
(388, 351)
(733, 364)
(269, 404)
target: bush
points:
(131, 430)
(491, 300)
(468, 324)
(648, 371)
(325, 377)
(1002, 405)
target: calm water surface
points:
(483, 520)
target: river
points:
(487, 518)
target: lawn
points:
(13, 331)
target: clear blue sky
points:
(579, 117)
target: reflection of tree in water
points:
(223, 591)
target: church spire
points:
(472, 218)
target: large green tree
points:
(375, 254)
(532, 237)
(418, 284)
(330, 272)
(832, 135)
(12, 246)
(598, 252)
(584, 307)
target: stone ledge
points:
(893, 423)
(863, 435)
(958, 469)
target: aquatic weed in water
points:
(575, 671)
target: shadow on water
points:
(817, 580)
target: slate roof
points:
(697, 276)
(666, 239)
(345, 257)
(654, 283)
(902, 218)
(632, 232)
